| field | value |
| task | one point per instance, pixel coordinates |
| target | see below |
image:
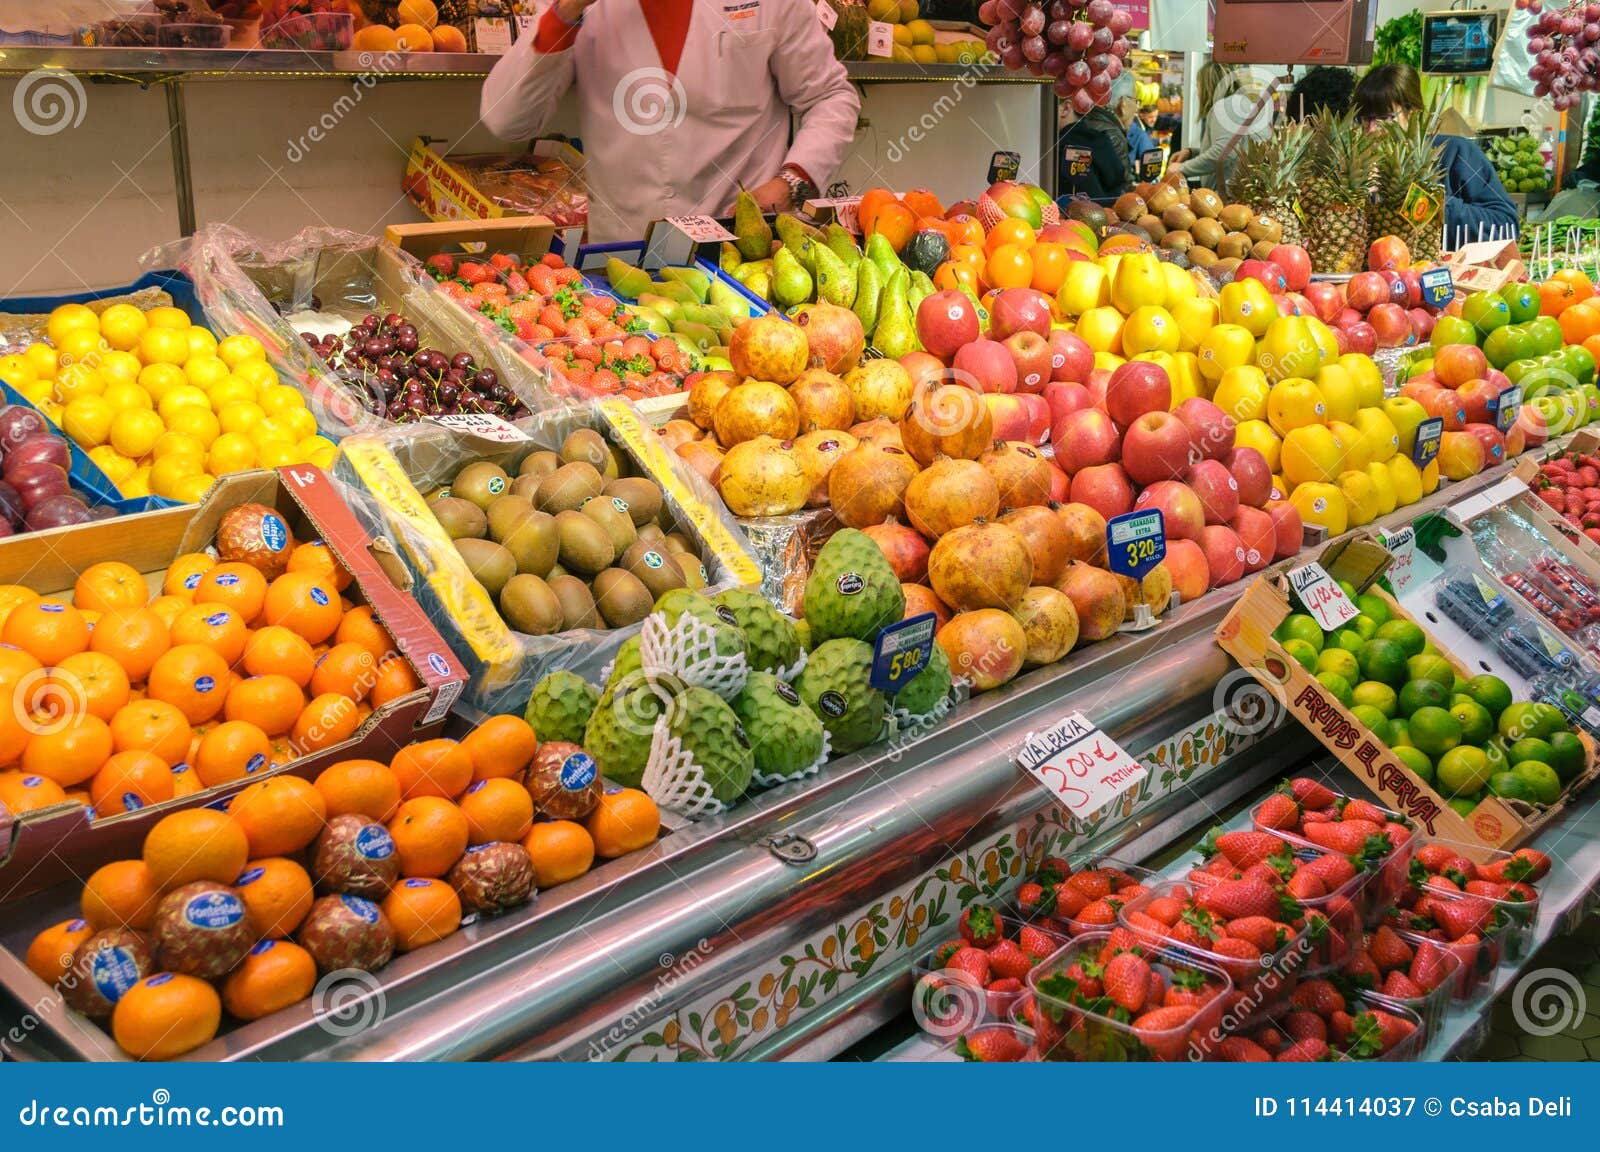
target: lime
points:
(1511, 786)
(1347, 640)
(1349, 590)
(1337, 685)
(1458, 686)
(1415, 761)
(1541, 778)
(1490, 691)
(1476, 723)
(1519, 720)
(1302, 653)
(1373, 719)
(1551, 718)
(1495, 746)
(1568, 753)
(1422, 694)
(1340, 662)
(1436, 732)
(1400, 733)
(1375, 608)
(1426, 667)
(1377, 695)
(1462, 770)
(1299, 626)
(1363, 626)
(1383, 660)
(1464, 805)
(1429, 649)
(1404, 633)
(1531, 748)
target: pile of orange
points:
(121, 700)
(437, 798)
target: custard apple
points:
(710, 732)
(837, 685)
(730, 640)
(785, 735)
(852, 591)
(620, 730)
(924, 691)
(770, 635)
(560, 707)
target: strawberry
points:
(1376, 1032)
(1158, 989)
(1031, 895)
(1127, 980)
(1520, 893)
(1458, 918)
(1144, 922)
(1036, 944)
(1233, 899)
(1361, 971)
(1317, 816)
(1319, 996)
(1334, 870)
(1311, 793)
(973, 961)
(1349, 837)
(1100, 912)
(943, 953)
(1087, 975)
(1008, 961)
(1304, 1051)
(1189, 988)
(992, 1046)
(1242, 1050)
(1402, 987)
(1166, 909)
(1488, 889)
(1197, 928)
(1272, 1038)
(1262, 931)
(1278, 811)
(441, 265)
(1527, 864)
(1356, 809)
(1458, 870)
(1388, 950)
(1069, 902)
(1094, 885)
(1433, 857)
(1001, 995)
(1306, 885)
(981, 926)
(1162, 1031)
(1235, 949)
(1303, 1025)
(1440, 884)
(1397, 833)
(1123, 940)
(1263, 871)
(1340, 1026)
(1245, 848)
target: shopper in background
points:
(681, 103)
(1139, 139)
(1322, 89)
(1239, 108)
(1475, 201)
(1092, 155)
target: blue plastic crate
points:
(86, 475)
(175, 284)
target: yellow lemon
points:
(1378, 434)
(16, 371)
(1196, 318)
(1388, 497)
(231, 391)
(1311, 453)
(117, 467)
(300, 421)
(231, 452)
(322, 457)
(180, 396)
(1338, 392)
(1295, 402)
(50, 409)
(68, 318)
(120, 367)
(122, 325)
(163, 345)
(1241, 391)
(1258, 434)
(167, 316)
(42, 359)
(279, 398)
(82, 346)
(1367, 376)
(1150, 328)
(240, 417)
(137, 486)
(201, 342)
(87, 419)
(257, 372)
(1101, 329)
(272, 428)
(204, 370)
(135, 431)
(234, 350)
(169, 471)
(158, 379)
(79, 380)
(1354, 446)
(1407, 480)
(192, 489)
(38, 390)
(193, 420)
(1323, 504)
(1430, 477)
(313, 444)
(122, 395)
(277, 454)
(177, 444)
(1360, 498)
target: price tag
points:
(1150, 164)
(1136, 542)
(902, 650)
(826, 14)
(1426, 445)
(880, 39)
(1489, 594)
(1505, 406)
(1078, 161)
(1004, 166)
(1323, 598)
(1082, 767)
(700, 229)
(1437, 287)
(482, 424)
(1402, 545)
(492, 35)
(845, 210)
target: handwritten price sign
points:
(1082, 767)
(700, 229)
(1136, 542)
(482, 424)
(903, 649)
(1402, 545)
(1323, 598)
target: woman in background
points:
(1238, 109)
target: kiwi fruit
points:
(565, 489)
(1164, 197)
(1178, 240)
(1262, 249)
(460, 519)
(611, 513)
(585, 547)
(556, 570)
(1264, 227)
(651, 532)
(480, 482)
(490, 564)
(1207, 232)
(641, 496)
(621, 597)
(504, 513)
(534, 542)
(1129, 207)
(577, 603)
(1202, 257)
(586, 446)
(653, 564)
(1227, 264)
(529, 606)
(539, 464)
(678, 542)
(1235, 246)
(1235, 217)
(1178, 218)
(1152, 227)
(525, 486)
(1205, 203)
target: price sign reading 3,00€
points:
(1082, 767)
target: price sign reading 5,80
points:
(903, 649)
(1136, 542)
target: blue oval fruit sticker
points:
(374, 842)
(577, 772)
(113, 971)
(319, 597)
(364, 910)
(214, 910)
(274, 532)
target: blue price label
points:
(1136, 542)
(1426, 447)
(903, 649)
(1505, 406)
(1437, 287)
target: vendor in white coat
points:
(681, 103)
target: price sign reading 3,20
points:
(1136, 542)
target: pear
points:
(733, 305)
(699, 336)
(836, 280)
(792, 230)
(626, 279)
(895, 333)
(729, 257)
(869, 287)
(668, 310)
(843, 244)
(882, 253)
(920, 286)
(697, 280)
(791, 283)
(752, 233)
(675, 290)
(760, 283)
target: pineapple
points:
(1267, 173)
(1407, 157)
(1335, 192)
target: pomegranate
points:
(757, 408)
(822, 401)
(946, 420)
(1022, 475)
(763, 477)
(706, 392)
(985, 648)
(903, 547)
(1086, 532)
(950, 494)
(704, 456)
(980, 565)
(676, 432)
(1046, 536)
(1050, 621)
(833, 334)
(878, 431)
(868, 484)
(1098, 598)
(920, 599)
(819, 451)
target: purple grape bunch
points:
(1081, 45)
(383, 362)
(1565, 46)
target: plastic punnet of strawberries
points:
(1086, 899)
(1405, 971)
(1323, 1024)
(1570, 484)
(1111, 996)
(981, 974)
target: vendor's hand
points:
(773, 196)
(1178, 157)
(572, 11)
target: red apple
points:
(1084, 439)
(1325, 298)
(1032, 355)
(1181, 511)
(1210, 427)
(1413, 281)
(1461, 454)
(41, 448)
(946, 320)
(1071, 358)
(57, 511)
(1253, 475)
(1285, 305)
(1266, 271)
(1455, 364)
(1397, 287)
(1105, 488)
(1296, 265)
(1494, 444)
(1288, 529)
(1186, 561)
(922, 366)
(1532, 426)
(37, 481)
(1009, 414)
(1348, 317)
(1224, 554)
(1255, 529)
(1038, 417)
(1363, 338)
(1391, 325)
(1421, 323)
(1135, 388)
(1019, 310)
(1156, 446)
(985, 365)
(1217, 489)
(1388, 252)
(1446, 405)
(1474, 397)
(1063, 397)
(1341, 340)
(1097, 383)
(1365, 291)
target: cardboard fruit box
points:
(48, 846)
(1247, 634)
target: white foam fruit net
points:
(687, 649)
(674, 779)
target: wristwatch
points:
(801, 188)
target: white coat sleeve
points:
(814, 85)
(521, 90)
